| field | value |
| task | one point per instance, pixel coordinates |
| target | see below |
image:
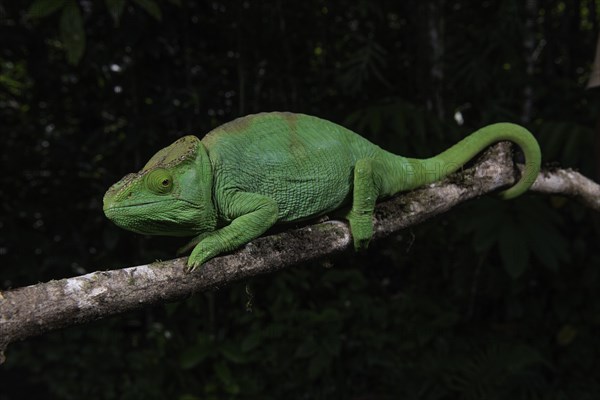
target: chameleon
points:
(243, 177)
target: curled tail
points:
(433, 169)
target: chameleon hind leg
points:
(365, 193)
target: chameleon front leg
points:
(252, 215)
(366, 190)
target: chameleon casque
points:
(251, 173)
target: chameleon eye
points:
(159, 181)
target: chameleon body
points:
(249, 174)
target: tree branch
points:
(36, 309)
(569, 183)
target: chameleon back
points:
(304, 163)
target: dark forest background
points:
(494, 300)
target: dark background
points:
(494, 300)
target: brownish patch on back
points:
(296, 145)
(238, 125)
(292, 120)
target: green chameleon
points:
(249, 174)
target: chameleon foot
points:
(361, 227)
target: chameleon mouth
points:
(168, 217)
(116, 212)
(128, 212)
(142, 215)
(129, 206)
(115, 207)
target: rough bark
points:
(568, 182)
(35, 309)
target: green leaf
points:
(72, 33)
(547, 245)
(521, 356)
(171, 308)
(150, 7)
(115, 9)
(251, 341)
(306, 349)
(226, 377)
(513, 250)
(192, 357)
(319, 363)
(197, 353)
(44, 8)
(188, 396)
(10, 84)
(233, 354)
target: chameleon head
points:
(170, 196)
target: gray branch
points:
(36, 309)
(569, 183)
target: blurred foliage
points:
(494, 300)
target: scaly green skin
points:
(253, 172)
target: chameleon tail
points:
(425, 171)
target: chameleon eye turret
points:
(159, 181)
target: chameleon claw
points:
(191, 266)
(201, 254)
